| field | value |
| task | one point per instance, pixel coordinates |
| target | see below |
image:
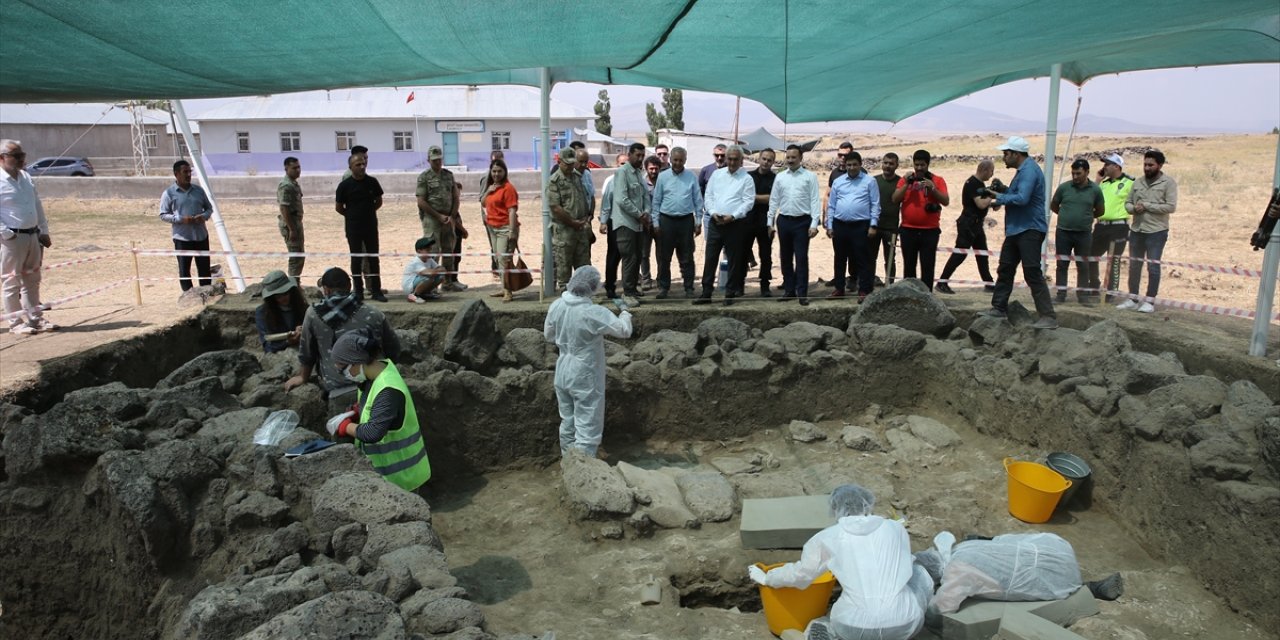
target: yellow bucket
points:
(1034, 490)
(787, 608)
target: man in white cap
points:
(1025, 228)
(1111, 231)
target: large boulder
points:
(383, 538)
(718, 329)
(472, 339)
(594, 489)
(667, 346)
(86, 424)
(885, 341)
(805, 337)
(437, 613)
(253, 509)
(931, 431)
(526, 346)
(203, 397)
(345, 614)
(1138, 372)
(907, 304)
(232, 366)
(708, 495)
(428, 565)
(660, 496)
(234, 426)
(227, 611)
(124, 476)
(365, 498)
(313, 469)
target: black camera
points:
(912, 178)
(991, 190)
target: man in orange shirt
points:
(922, 195)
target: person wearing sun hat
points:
(1025, 228)
(280, 313)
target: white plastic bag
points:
(277, 425)
(1016, 567)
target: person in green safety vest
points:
(383, 420)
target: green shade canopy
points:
(806, 60)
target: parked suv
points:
(60, 166)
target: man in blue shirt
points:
(677, 208)
(186, 208)
(1025, 227)
(853, 213)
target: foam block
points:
(1019, 625)
(783, 523)
(980, 619)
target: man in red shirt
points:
(922, 195)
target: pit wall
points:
(1189, 462)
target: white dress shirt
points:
(730, 194)
(20, 206)
(795, 193)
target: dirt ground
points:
(513, 544)
(1224, 182)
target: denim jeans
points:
(1022, 248)
(1151, 247)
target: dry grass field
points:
(1224, 182)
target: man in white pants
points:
(24, 235)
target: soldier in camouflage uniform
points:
(289, 197)
(571, 235)
(436, 202)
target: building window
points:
(290, 141)
(242, 141)
(402, 140)
(501, 140)
(346, 140)
(150, 138)
(182, 146)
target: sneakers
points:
(40, 324)
(1147, 307)
(706, 299)
(22, 329)
(943, 287)
(416, 300)
(819, 630)
(993, 313)
(1127, 305)
(1045, 322)
(804, 302)
(378, 297)
(662, 294)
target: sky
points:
(1185, 97)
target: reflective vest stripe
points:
(403, 464)
(390, 447)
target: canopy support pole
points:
(1050, 150)
(1267, 288)
(548, 264)
(197, 161)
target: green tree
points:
(657, 120)
(604, 124)
(673, 105)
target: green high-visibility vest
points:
(1114, 193)
(399, 456)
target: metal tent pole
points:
(1050, 149)
(1267, 288)
(196, 160)
(548, 266)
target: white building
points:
(255, 135)
(699, 146)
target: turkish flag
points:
(410, 98)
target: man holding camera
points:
(1025, 228)
(970, 231)
(922, 196)
(1077, 202)
(1111, 231)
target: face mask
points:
(358, 379)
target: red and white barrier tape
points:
(77, 296)
(1159, 302)
(309, 254)
(69, 263)
(1235, 271)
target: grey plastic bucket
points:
(1074, 469)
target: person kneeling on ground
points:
(423, 274)
(578, 327)
(383, 420)
(1016, 567)
(884, 593)
(281, 312)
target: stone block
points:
(1019, 625)
(980, 619)
(783, 523)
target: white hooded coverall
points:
(884, 594)
(578, 326)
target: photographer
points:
(970, 231)
(922, 195)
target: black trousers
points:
(758, 236)
(728, 239)
(364, 240)
(850, 242)
(1108, 239)
(611, 259)
(1022, 248)
(970, 234)
(184, 262)
(889, 240)
(676, 238)
(921, 245)
(793, 254)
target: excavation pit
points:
(156, 492)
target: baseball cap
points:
(1015, 143)
(275, 283)
(434, 152)
(1113, 158)
(569, 155)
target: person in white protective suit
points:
(884, 593)
(578, 327)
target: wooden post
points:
(137, 278)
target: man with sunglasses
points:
(24, 235)
(705, 174)
(663, 154)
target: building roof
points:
(79, 113)
(388, 103)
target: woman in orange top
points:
(500, 204)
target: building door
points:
(449, 141)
